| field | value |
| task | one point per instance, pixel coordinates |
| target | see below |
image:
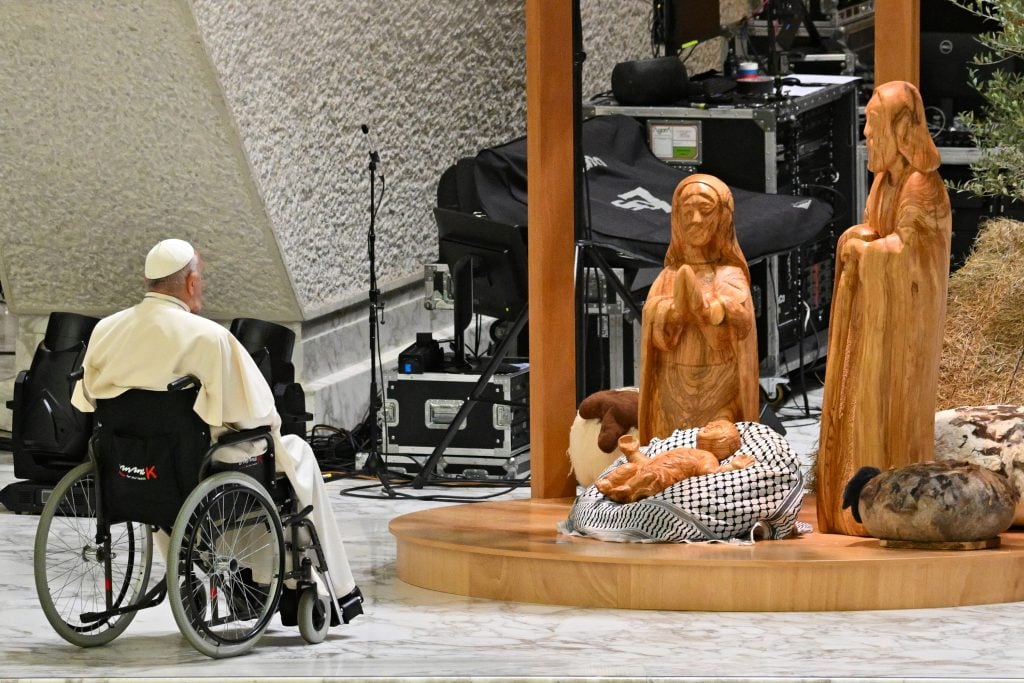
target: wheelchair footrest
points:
(351, 606)
(153, 598)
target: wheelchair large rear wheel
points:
(69, 564)
(225, 574)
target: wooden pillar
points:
(549, 128)
(898, 41)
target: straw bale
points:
(984, 337)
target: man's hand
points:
(852, 251)
(854, 242)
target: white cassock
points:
(159, 340)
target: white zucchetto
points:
(168, 256)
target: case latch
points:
(439, 413)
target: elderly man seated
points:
(161, 339)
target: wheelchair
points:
(151, 466)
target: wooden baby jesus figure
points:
(641, 476)
(888, 309)
(699, 345)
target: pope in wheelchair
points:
(244, 524)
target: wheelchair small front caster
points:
(777, 398)
(314, 615)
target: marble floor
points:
(412, 633)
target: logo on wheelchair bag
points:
(137, 473)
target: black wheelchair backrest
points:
(148, 447)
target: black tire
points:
(225, 570)
(68, 563)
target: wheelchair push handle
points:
(182, 383)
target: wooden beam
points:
(549, 127)
(898, 41)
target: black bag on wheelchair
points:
(148, 447)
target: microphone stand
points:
(373, 464)
(774, 54)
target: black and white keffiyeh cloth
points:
(712, 507)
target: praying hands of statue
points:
(692, 302)
(666, 324)
(641, 477)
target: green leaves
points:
(998, 129)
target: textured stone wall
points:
(114, 135)
(434, 81)
(236, 123)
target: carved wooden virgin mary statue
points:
(699, 346)
(888, 309)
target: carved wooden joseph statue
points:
(699, 347)
(888, 309)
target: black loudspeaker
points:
(48, 435)
(646, 82)
(271, 346)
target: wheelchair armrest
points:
(230, 438)
(245, 435)
(182, 383)
(296, 417)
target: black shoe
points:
(289, 606)
(351, 607)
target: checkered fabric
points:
(712, 507)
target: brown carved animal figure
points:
(616, 408)
(594, 435)
(641, 476)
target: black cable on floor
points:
(395, 491)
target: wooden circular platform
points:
(512, 551)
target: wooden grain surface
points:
(549, 126)
(898, 41)
(888, 310)
(512, 550)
